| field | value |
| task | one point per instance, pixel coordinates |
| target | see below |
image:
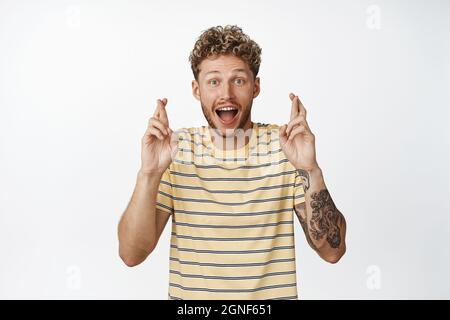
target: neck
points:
(239, 139)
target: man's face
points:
(226, 81)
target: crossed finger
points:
(297, 106)
(162, 112)
(158, 124)
(298, 114)
(160, 106)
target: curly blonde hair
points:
(225, 40)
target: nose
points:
(227, 91)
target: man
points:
(230, 187)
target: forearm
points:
(137, 227)
(323, 223)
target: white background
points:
(78, 83)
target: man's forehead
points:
(223, 64)
(235, 70)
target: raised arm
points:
(323, 223)
(141, 224)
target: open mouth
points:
(227, 114)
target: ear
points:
(256, 88)
(196, 90)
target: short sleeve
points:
(299, 192)
(164, 198)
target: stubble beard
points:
(208, 114)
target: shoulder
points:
(269, 131)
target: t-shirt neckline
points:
(241, 152)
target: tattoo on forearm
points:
(305, 177)
(326, 218)
(301, 214)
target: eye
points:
(239, 81)
(213, 82)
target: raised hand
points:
(296, 139)
(159, 144)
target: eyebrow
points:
(234, 70)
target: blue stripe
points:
(210, 226)
(266, 154)
(180, 186)
(199, 276)
(268, 143)
(281, 235)
(232, 265)
(164, 206)
(276, 286)
(233, 252)
(280, 298)
(285, 298)
(196, 143)
(194, 175)
(200, 166)
(228, 203)
(233, 214)
(203, 136)
(228, 159)
(209, 148)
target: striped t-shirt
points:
(232, 217)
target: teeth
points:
(227, 109)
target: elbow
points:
(335, 257)
(133, 259)
(130, 261)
